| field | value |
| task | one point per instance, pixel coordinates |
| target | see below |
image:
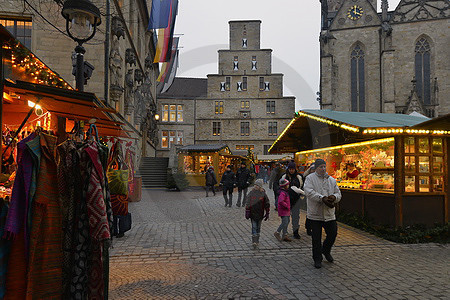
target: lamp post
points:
(82, 18)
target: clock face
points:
(355, 12)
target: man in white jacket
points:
(322, 194)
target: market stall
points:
(194, 160)
(390, 167)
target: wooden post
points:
(399, 178)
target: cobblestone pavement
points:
(185, 246)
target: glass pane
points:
(173, 107)
(180, 108)
(166, 107)
(423, 145)
(438, 183)
(424, 164)
(165, 133)
(180, 116)
(437, 146)
(173, 116)
(165, 143)
(172, 133)
(165, 116)
(410, 184)
(424, 184)
(438, 164)
(242, 104)
(410, 164)
(409, 145)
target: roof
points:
(204, 147)
(439, 123)
(185, 88)
(368, 120)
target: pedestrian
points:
(322, 194)
(267, 173)
(311, 169)
(228, 182)
(275, 177)
(284, 211)
(295, 191)
(211, 181)
(242, 183)
(257, 208)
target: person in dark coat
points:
(275, 177)
(228, 182)
(242, 182)
(211, 180)
(257, 209)
(295, 192)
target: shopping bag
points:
(118, 181)
(119, 205)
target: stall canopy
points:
(315, 129)
(205, 148)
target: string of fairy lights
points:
(23, 61)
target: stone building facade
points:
(121, 53)
(394, 61)
(244, 106)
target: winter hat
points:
(283, 182)
(319, 162)
(291, 165)
(259, 182)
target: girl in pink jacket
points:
(284, 211)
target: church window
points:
(357, 79)
(422, 70)
(219, 107)
(217, 126)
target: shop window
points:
(244, 83)
(172, 113)
(423, 69)
(245, 128)
(357, 79)
(424, 164)
(236, 64)
(245, 104)
(217, 128)
(218, 108)
(270, 107)
(254, 63)
(197, 164)
(273, 128)
(20, 29)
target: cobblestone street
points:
(185, 246)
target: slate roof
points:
(368, 120)
(185, 88)
(204, 147)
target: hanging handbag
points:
(119, 205)
(117, 178)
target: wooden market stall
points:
(391, 167)
(194, 160)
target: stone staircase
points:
(153, 171)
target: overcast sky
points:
(289, 27)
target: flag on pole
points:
(172, 75)
(166, 68)
(160, 13)
(165, 36)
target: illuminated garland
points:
(24, 61)
(391, 131)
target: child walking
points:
(284, 211)
(257, 203)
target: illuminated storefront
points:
(391, 167)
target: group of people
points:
(320, 190)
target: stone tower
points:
(245, 107)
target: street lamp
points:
(82, 18)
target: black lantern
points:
(82, 18)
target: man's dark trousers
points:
(331, 233)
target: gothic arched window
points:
(358, 90)
(422, 70)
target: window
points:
(244, 83)
(219, 107)
(273, 128)
(171, 137)
(254, 63)
(424, 164)
(270, 107)
(236, 63)
(227, 83)
(245, 128)
(245, 147)
(20, 29)
(172, 113)
(244, 43)
(261, 84)
(266, 149)
(357, 79)
(217, 128)
(245, 104)
(422, 70)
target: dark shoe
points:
(317, 264)
(296, 235)
(206, 195)
(229, 205)
(120, 235)
(238, 204)
(309, 232)
(328, 257)
(277, 235)
(214, 193)
(286, 238)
